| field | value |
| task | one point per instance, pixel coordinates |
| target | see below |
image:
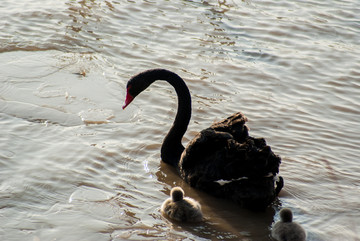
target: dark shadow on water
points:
(224, 220)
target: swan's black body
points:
(223, 159)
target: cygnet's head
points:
(177, 194)
(286, 215)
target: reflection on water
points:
(74, 166)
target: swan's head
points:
(286, 215)
(135, 86)
(140, 82)
(177, 194)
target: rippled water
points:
(75, 166)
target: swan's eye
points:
(128, 88)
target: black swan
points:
(286, 229)
(223, 159)
(180, 208)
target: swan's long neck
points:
(172, 148)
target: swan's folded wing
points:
(242, 168)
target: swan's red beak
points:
(128, 100)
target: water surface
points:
(75, 166)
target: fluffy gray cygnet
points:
(180, 208)
(286, 229)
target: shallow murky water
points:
(75, 166)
